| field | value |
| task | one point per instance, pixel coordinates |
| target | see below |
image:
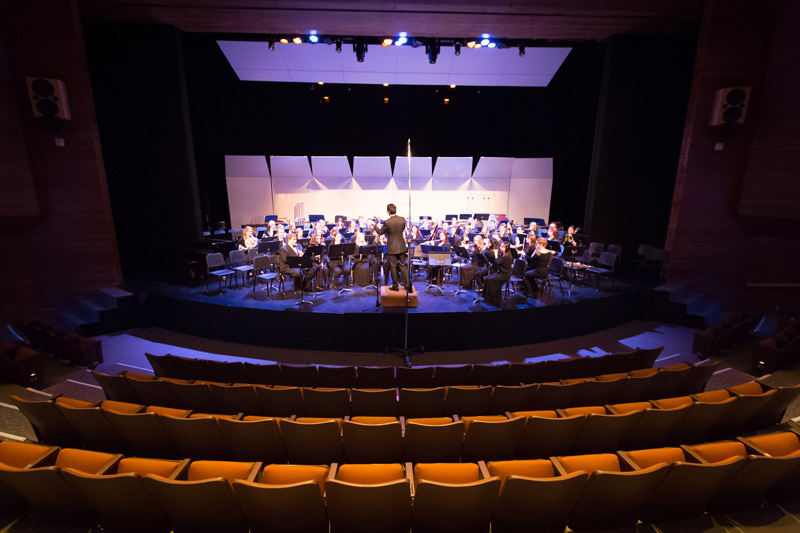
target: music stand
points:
(554, 245)
(378, 252)
(303, 263)
(462, 252)
(369, 250)
(482, 261)
(571, 253)
(341, 251)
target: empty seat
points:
(280, 401)
(300, 375)
(467, 400)
(452, 375)
(263, 374)
(555, 395)
(368, 439)
(197, 438)
(373, 402)
(143, 433)
(433, 440)
(489, 374)
(48, 424)
(255, 438)
(323, 402)
(418, 377)
(375, 377)
(546, 436)
(234, 399)
(96, 432)
(342, 377)
(493, 438)
(115, 387)
(313, 441)
(421, 403)
(604, 433)
(512, 398)
(21, 455)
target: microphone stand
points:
(405, 351)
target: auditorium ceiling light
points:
(402, 38)
(387, 42)
(297, 40)
(313, 37)
(284, 40)
(452, 85)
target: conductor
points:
(394, 228)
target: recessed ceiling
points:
(395, 65)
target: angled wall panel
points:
(531, 188)
(249, 195)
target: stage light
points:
(471, 44)
(485, 35)
(385, 84)
(338, 46)
(452, 85)
(387, 42)
(477, 45)
(446, 101)
(433, 51)
(326, 99)
(271, 44)
(297, 40)
(360, 48)
(314, 38)
(492, 45)
(521, 50)
(484, 42)
(284, 40)
(385, 100)
(320, 83)
(401, 39)
(458, 49)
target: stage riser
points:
(372, 332)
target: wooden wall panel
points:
(71, 248)
(710, 246)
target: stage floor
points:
(354, 321)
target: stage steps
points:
(104, 310)
(674, 303)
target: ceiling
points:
(242, 26)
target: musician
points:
(533, 227)
(489, 251)
(356, 234)
(468, 272)
(538, 266)
(299, 233)
(351, 227)
(501, 260)
(434, 273)
(336, 266)
(552, 232)
(248, 239)
(292, 249)
(457, 238)
(281, 234)
(466, 230)
(361, 263)
(414, 235)
(320, 263)
(569, 237)
(270, 229)
(380, 241)
(396, 249)
(530, 244)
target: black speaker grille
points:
(43, 88)
(736, 97)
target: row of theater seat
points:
(387, 377)
(166, 432)
(282, 400)
(584, 492)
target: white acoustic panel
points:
(531, 188)
(249, 194)
(330, 167)
(421, 167)
(367, 167)
(493, 167)
(453, 167)
(290, 166)
(246, 166)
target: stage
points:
(351, 321)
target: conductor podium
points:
(397, 298)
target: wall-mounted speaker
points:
(730, 106)
(48, 98)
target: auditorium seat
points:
(772, 413)
(533, 497)
(421, 403)
(453, 497)
(653, 426)
(554, 395)
(120, 500)
(116, 387)
(525, 373)
(150, 391)
(49, 496)
(300, 375)
(324, 402)
(235, 398)
(634, 388)
(612, 497)
(488, 374)
(598, 392)
(493, 437)
(603, 433)
(263, 374)
(198, 438)
(194, 396)
(204, 501)
(445, 375)
(287, 498)
(48, 424)
(736, 420)
(779, 444)
(143, 433)
(373, 402)
(697, 423)
(686, 488)
(417, 377)
(668, 380)
(697, 378)
(433, 440)
(313, 441)
(95, 430)
(467, 400)
(375, 377)
(545, 436)
(21, 455)
(749, 485)
(369, 497)
(280, 400)
(372, 439)
(343, 377)
(512, 398)
(254, 438)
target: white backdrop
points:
(518, 187)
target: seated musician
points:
(454, 233)
(538, 266)
(320, 263)
(361, 263)
(569, 237)
(468, 272)
(435, 273)
(292, 249)
(533, 228)
(414, 235)
(336, 266)
(501, 260)
(248, 239)
(281, 234)
(552, 232)
(488, 251)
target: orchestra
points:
(491, 246)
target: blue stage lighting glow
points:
(491, 45)
(484, 42)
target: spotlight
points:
(401, 39)
(446, 101)
(326, 99)
(458, 49)
(484, 42)
(297, 40)
(313, 38)
(521, 50)
(433, 51)
(284, 40)
(320, 83)
(452, 85)
(477, 45)
(471, 44)
(387, 42)
(271, 44)
(385, 84)
(360, 48)
(385, 100)
(491, 45)
(338, 46)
